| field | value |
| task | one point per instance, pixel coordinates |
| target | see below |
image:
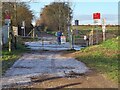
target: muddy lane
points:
(37, 64)
(46, 66)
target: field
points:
(99, 27)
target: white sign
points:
(103, 21)
(103, 24)
(7, 21)
(63, 39)
(15, 31)
(23, 23)
(97, 21)
(22, 27)
(85, 37)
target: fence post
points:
(15, 42)
(103, 28)
(33, 33)
(9, 37)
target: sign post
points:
(7, 22)
(96, 17)
(9, 37)
(103, 28)
(70, 35)
(23, 24)
(33, 34)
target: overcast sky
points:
(83, 11)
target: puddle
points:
(52, 46)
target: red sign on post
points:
(7, 18)
(7, 15)
(96, 15)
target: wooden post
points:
(33, 33)
(9, 37)
(23, 25)
(15, 42)
(103, 28)
(96, 34)
(103, 36)
(92, 34)
(10, 44)
(91, 37)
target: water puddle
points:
(52, 46)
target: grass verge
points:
(8, 58)
(103, 58)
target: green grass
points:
(103, 58)
(8, 58)
(51, 32)
(111, 44)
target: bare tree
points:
(55, 16)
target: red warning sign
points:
(96, 15)
(7, 15)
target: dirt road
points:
(52, 69)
